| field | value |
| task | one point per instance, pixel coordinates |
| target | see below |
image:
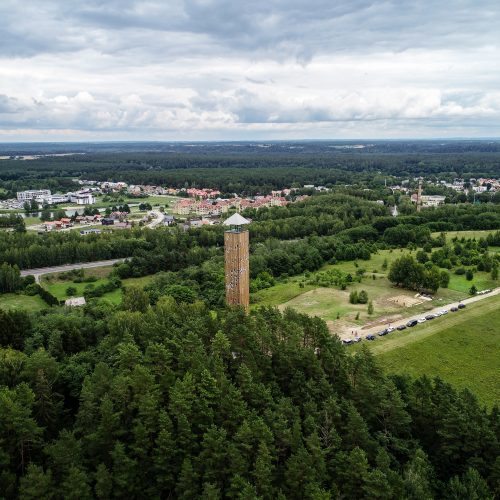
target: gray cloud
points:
(250, 68)
(276, 28)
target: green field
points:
(466, 234)
(327, 303)
(280, 293)
(13, 301)
(58, 288)
(463, 348)
(482, 281)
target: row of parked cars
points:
(410, 324)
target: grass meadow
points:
(58, 288)
(13, 301)
(332, 304)
(462, 348)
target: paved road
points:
(363, 332)
(37, 273)
(158, 219)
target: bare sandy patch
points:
(405, 300)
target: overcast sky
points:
(248, 69)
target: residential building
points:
(183, 207)
(168, 220)
(429, 200)
(33, 194)
(82, 198)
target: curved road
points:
(37, 273)
(157, 218)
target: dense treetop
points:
(174, 401)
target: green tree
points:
(135, 299)
(75, 486)
(471, 486)
(370, 309)
(36, 484)
(444, 279)
(363, 297)
(263, 472)
(45, 214)
(494, 272)
(187, 484)
(103, 482)
(418, 477)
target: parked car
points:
(357, 339)
(461, 306)
(412, 322)
(429, 317)
(382, 333)
(390, 329)
(421, 320)
(454, 309)
(370, 337)
(402, 327)
(443, 312)
(347, 341)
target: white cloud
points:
(225, 69)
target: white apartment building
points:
(33, 194)
(432, 200)
(59, 198)
(82, 198)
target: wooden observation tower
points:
(236, 262)
(419, 195)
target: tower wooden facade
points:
(419, 196)
(236, 260)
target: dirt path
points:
(363, 332)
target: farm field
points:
(13, 301)
(463, 348)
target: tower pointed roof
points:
(236, 220)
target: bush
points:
(48, 297)
(29, 280)
(473, 290)
(469, 275)
(444, 279)
(32, 289)
(422, 257)
(362, 297)
(71, 291)
(353, 297)
(460, 271)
